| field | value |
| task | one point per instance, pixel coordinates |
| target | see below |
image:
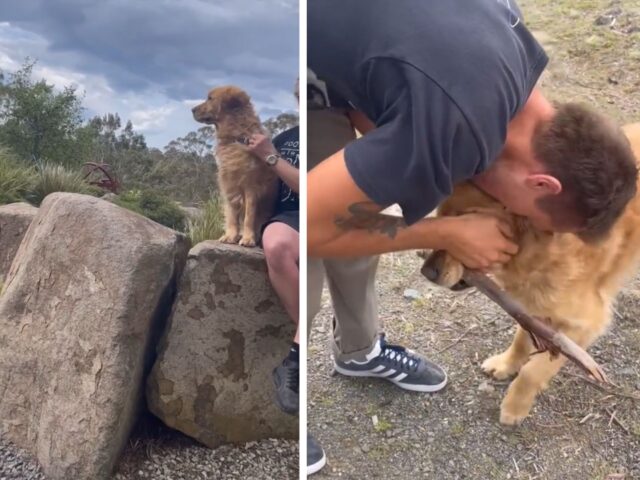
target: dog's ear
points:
(236, 101)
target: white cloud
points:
(151, 119)
(135, 82)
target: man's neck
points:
(517, 159)
(522, 127)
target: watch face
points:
(272, 159)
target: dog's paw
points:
(229, 238)
(500, 367)
(510, 418)
(515, 406)
(248, 241)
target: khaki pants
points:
(351, 281)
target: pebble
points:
(486, 387)
(411, 294)
(604, 20)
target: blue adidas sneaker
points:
(405, 368)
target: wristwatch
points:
(272, 159)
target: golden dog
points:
(555, 276)
(249, 187)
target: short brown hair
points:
(592, 158)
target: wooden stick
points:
(544, 337)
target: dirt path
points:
(577, 431)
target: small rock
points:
(411, 294)
(604, 20)
(486, 387)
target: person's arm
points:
(288, 174)
(343, 221)
(261, 146)
(360, 121)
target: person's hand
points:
(260, 145)
(479, 240)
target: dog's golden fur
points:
(248, 186)
(555, 276)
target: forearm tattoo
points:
(364, 216)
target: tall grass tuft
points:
(15, 179)
(52, 178)
(210, 225)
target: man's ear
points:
(544, 183)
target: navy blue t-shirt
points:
(441, 79)
(287, 144)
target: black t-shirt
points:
(441, 79)
(287, 144)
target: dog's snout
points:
(433, 266)
(194, 109)
(431, 272)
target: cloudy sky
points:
(152, 60)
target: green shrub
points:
(52, 178)
(155, 206)
(210, 225)
(15, 180)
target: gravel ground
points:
(371, 429)
(15, 464)
(159, 453)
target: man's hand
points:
(260, 145)
(479, 240)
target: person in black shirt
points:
(281, 244)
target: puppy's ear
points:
(236, 101)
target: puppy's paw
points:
(248, 241)
(515, 406)
(511, 419)
(500, 366)
(229, 238)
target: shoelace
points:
(293, 379)
(399, 356)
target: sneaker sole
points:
(316, 467)
(405, 386)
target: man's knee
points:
(280, 251)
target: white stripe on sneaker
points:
(379, 368)
(402, 376)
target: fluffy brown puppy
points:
(248, 186)
(555, 276)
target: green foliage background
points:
(45, 142)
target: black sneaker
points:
(403, 367)
(286, 378)
(316, 458)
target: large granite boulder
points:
(15, 218)
(80, 314)
(212, 379)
